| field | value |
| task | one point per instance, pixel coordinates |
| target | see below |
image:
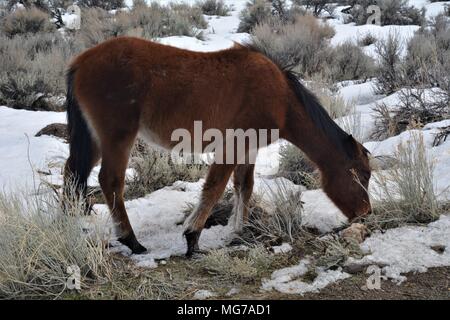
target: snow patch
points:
(283, 248)
(286, 280)
(157, 221)
(204, 294)
(408, 249)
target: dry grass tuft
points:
(236, 266)
(155, 169)
(405, 194)
(279, 220)
(38, 243)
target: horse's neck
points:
(302, 132)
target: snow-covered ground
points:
(156, 217)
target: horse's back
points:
(168, 88)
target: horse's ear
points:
(355, 143)
(365, 150)
(352, 141)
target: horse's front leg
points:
(213, 188)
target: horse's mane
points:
(341, 139)
(318, 114)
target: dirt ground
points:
(433, 284)
(180, 279)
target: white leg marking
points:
(190, 223)
(238, 215)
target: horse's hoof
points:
(138, 249)
(131, 242)
(197, 254)
(192, 242)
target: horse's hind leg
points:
(243, 188)
(115, 155)
(71, 176)
(213, 188)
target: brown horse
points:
(128, 86)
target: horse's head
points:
(347, 184)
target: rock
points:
(58, 130)
(357, 232)
(439, 249)
(354, 268)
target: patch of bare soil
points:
(433, 284)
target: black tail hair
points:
(341, 139)
(79, 164)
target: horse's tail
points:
(81, 144)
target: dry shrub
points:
(393, 12)
(349, 62)
(405, 194)
(149, 22)
(367, 40)
(279, 220)
(33, 60)
(261, 11)
(33, 71)
(155, 169)
(97, 25)
(236, 266)
(103, 4)
(295, 166)
(25, 21)
(183, 19)
(255, 12)
(214, 7)
(427, 62)
(300, 44)
(389, 70)
(416, 108)
(317, 7)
